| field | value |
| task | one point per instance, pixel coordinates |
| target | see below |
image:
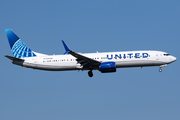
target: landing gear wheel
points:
(160, 70)
(90, 73)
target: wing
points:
(86, 62)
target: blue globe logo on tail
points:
(18, 48)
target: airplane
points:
(105, 62)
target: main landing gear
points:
(160, 70)
(90, 73)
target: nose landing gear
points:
(90, 73)
(160, 70)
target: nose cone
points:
(173, 58)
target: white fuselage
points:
(121, 59)
(104, 62)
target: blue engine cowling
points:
(107, 67)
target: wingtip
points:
(65, 46)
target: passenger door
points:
(157, 56)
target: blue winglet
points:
(66, 48)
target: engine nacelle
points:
(107, 67)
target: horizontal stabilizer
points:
(14, 59)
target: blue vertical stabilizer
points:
(18, 48)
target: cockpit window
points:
(166, 54)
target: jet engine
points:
(107, 67)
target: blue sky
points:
(90, 26)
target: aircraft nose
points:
(173, 58)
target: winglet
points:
(66, 48)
